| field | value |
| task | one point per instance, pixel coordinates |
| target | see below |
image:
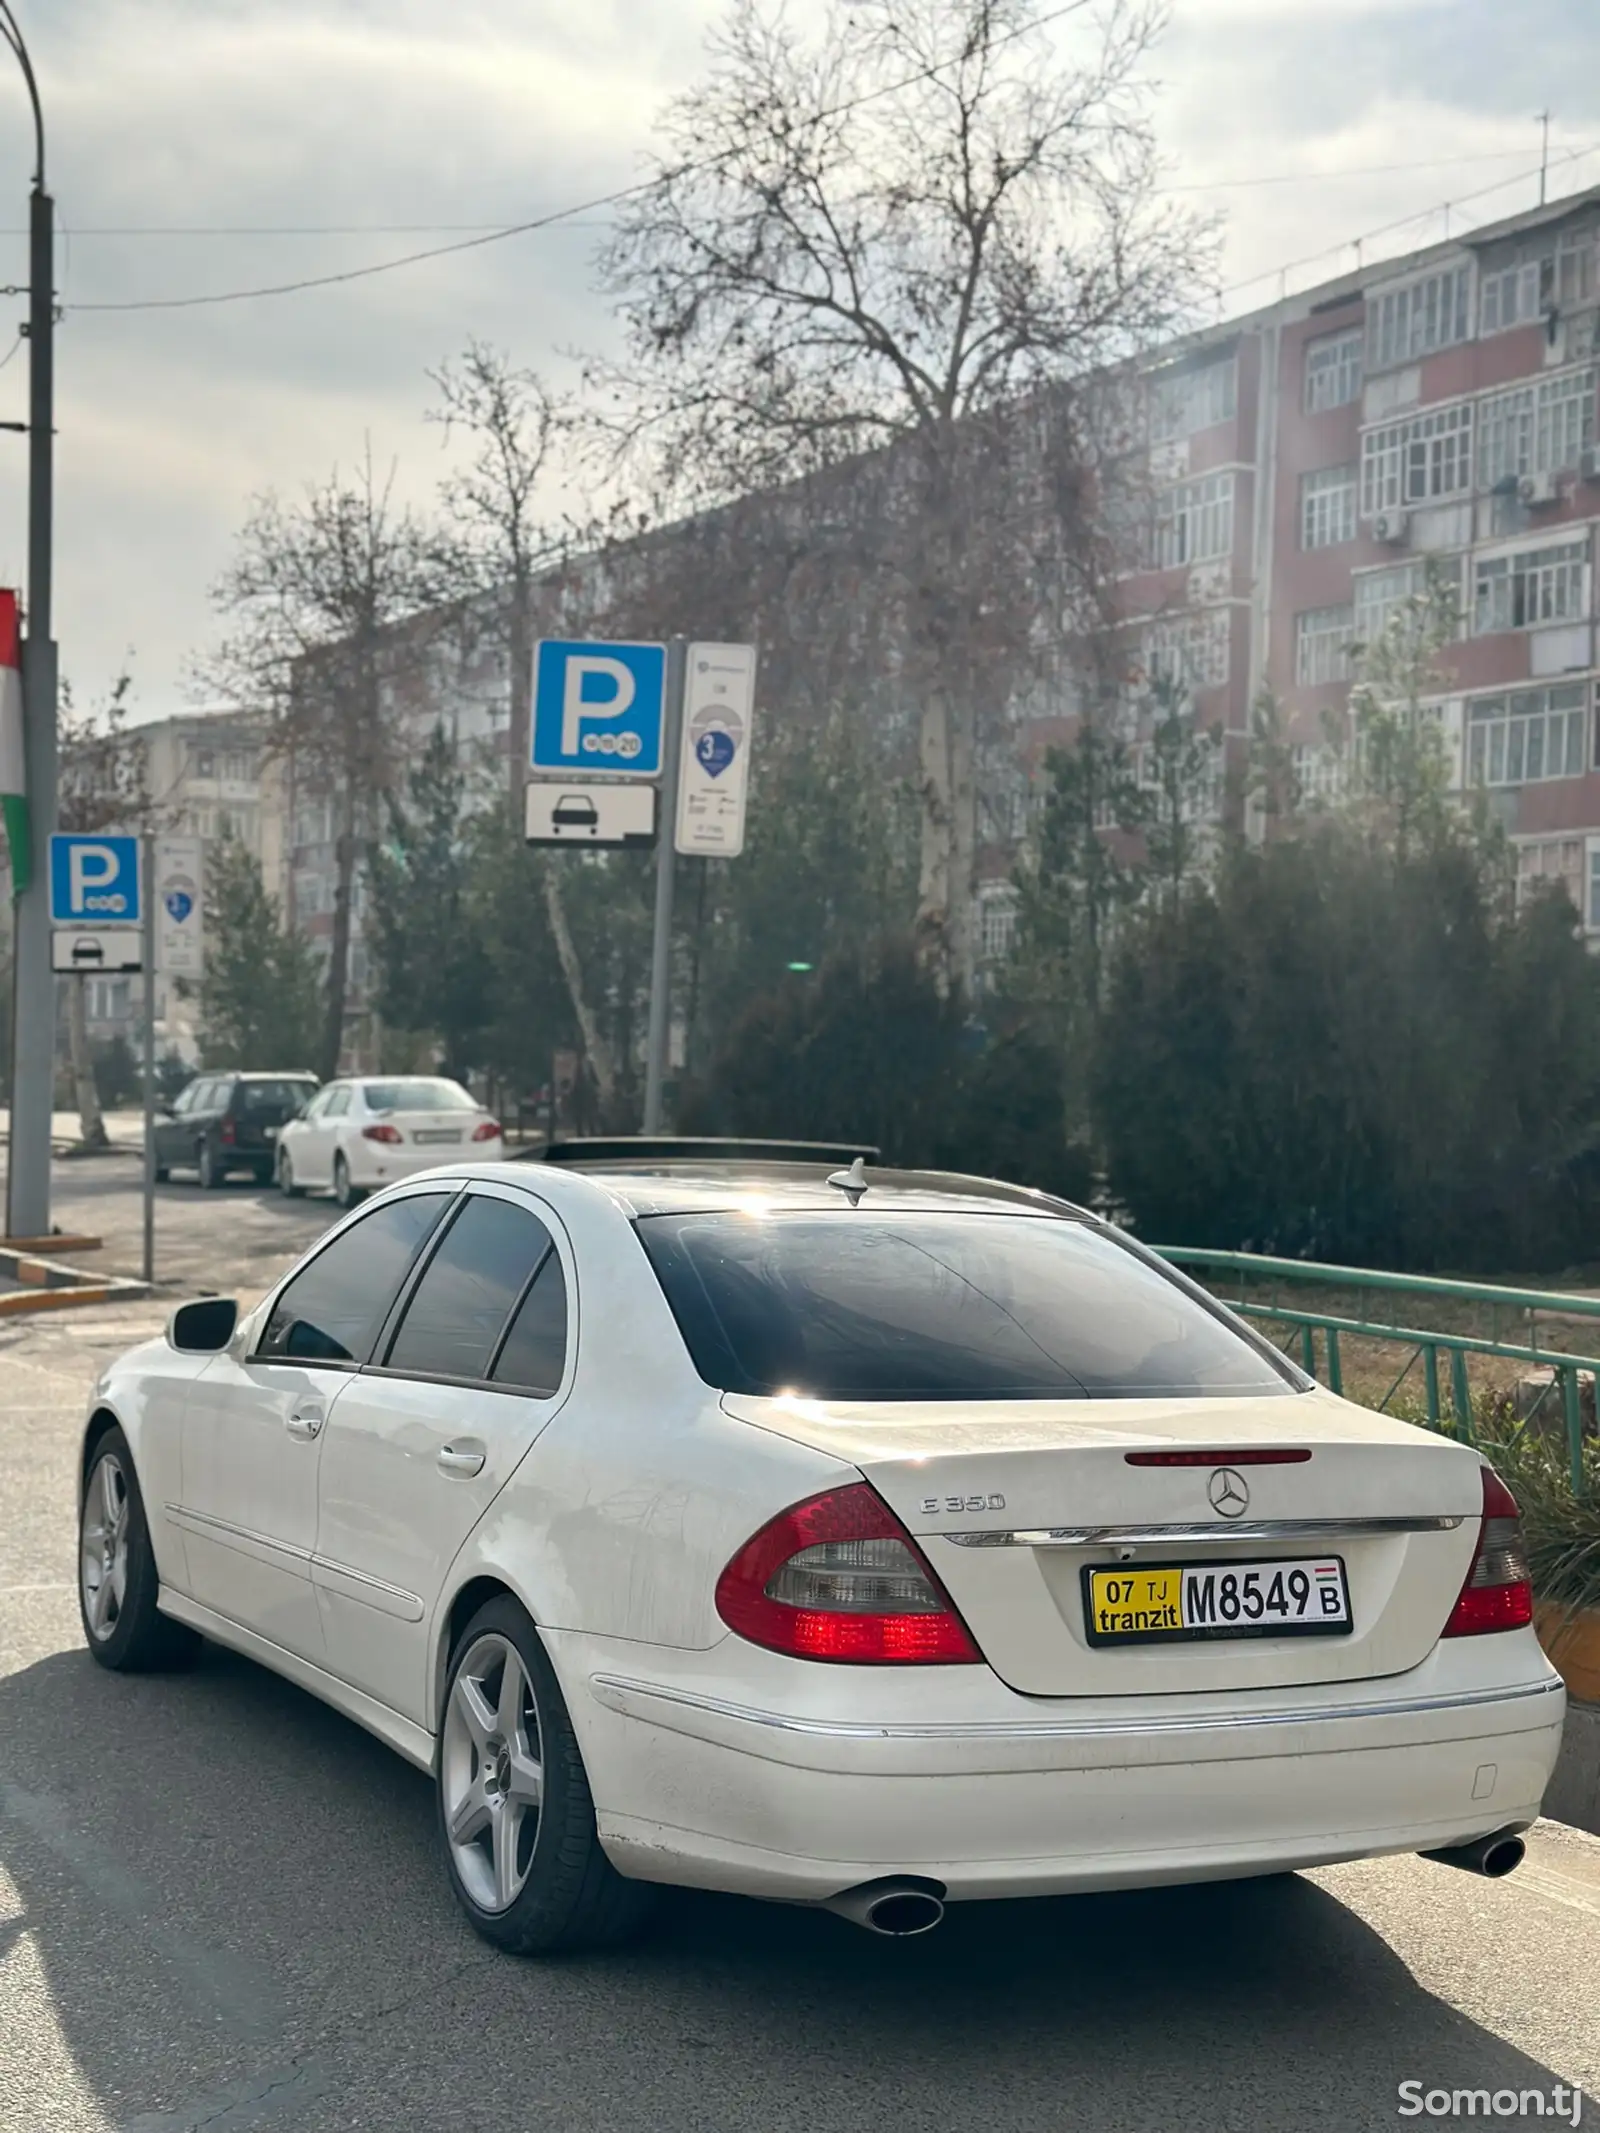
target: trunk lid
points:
(1039, 1479)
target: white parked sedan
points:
(358, 1135)
(874, 1548)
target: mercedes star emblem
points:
(1228, 1491)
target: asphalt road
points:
(220, 1906)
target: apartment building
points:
(1309, 464)
(203, 773)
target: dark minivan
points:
(226, 1122)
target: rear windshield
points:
(417, 1096)
(274, 1096)
(938, 1307)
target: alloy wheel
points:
(491, 1772)
(103, 1550)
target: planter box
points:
(1571, 1638)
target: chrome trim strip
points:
(369, 1591)
(1080, 1729)
(209, 1528)
(1214, 1534)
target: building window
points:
(1327, 507)
(1322, 639)
(1183, 401)
(1201, 798)
(1518, 592)
(1417, 318)
(1551, 862)
(202, 763)
(1333, 370)
(1527, 735)
(997, 921)
(1535, 429)
(1320, 773)
(1194, 522)
(1559, 279)
(1417, 461)
(1188, 651)
(1381, 593)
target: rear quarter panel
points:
(145, 1391)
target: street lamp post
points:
(33, 1018)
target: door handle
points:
(463, 1459)
(306, 1422)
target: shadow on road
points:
(234, 1894)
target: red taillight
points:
(839, 1577)
(488, 1131)
(225, 1133)
(1498, 1593)
(1250, 1458)
(389, 1134)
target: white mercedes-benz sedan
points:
(875, 1540)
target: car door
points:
(169, 1132)
(326, 1140)
(254, 1423)
(422, 1440)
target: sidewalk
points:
(125, 1129)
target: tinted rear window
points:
(274, 1096)
(416, 1096)
(938, 1307)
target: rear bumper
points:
(995, 1794)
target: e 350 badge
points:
(933, 1505)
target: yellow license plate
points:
(1152, 1603)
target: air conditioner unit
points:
(1534, 489)
(1389, 527)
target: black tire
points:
(346, 1194)
(573, 1896)
(161, 1173)
(286, 1183)
(132, 1637)
(207, 1168)
(263, 1173)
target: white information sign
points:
(78, 948)
(591, 815)
(714, 773)
(180, 907)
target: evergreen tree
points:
(432, 970)
(259, 997)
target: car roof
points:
(702, 1185)
(255, 1074)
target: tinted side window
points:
(455, 1316)
(535, 1351)
(331, 1311)
(338, 1104)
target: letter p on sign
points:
(91, 868)
(575, 707)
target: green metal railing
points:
(1261, 1282)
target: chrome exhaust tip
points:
(897, 1906)
(1496, 1855)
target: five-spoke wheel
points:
(491, 1782)
(119, 1581)
(514, 1805)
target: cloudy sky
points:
(207, 145)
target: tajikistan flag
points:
(13, 781)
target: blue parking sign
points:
(599, 708)
(94, 880)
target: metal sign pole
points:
(655, 1070)
(147, 859)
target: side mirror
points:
(204, 1327)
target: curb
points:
(1573, 1795)
(49, 1285)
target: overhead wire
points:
(546, 221)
